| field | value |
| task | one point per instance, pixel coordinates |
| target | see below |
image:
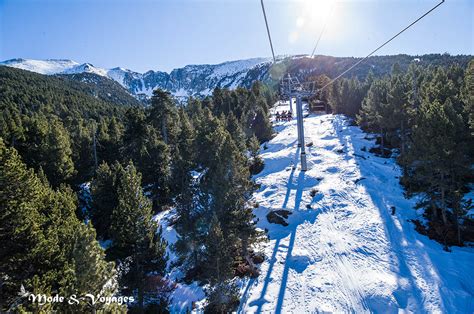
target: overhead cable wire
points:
(380, 47)
(268, 30)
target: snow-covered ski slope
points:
(346, 252)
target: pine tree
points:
(398, 118)
(369, 79)
(135, 134)
(256, 162)
(92, 274)
(261, 126)
(219, 103)
(190, 225)
(155, 164)
(396, 70)
(218, 257)
(135, 240)
(162, 115)
(142, 145)
(194, 110)
(104, 197)
(57, 152)
(371, 114)
(82, 135)
(235, 129)
(228, 182)
(184, 161)
(414, 78)
(131, 218)
(439, 87)
(468, 95)
(352, 97)
(335, 97)
(109, 140)
(345, 97)
(320, 81)
(243, 104)
(204, 138)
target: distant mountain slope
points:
(50, 66)
(103, 88)
(24, 91)
(192, 80)
(201, 80)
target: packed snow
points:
(343, 250)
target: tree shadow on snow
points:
(411, 253)
(298, 216)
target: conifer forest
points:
(271, 185)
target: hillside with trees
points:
(135, 161)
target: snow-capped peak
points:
(87, 68)
(50, 66)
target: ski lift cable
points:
(268, 30)
(380, 47)
(323, 29)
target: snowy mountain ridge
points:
(48, 67)
(201, 80)
(191, 80)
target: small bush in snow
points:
(222, 298)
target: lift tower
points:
(290, 88)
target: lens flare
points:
(312, 15)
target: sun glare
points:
(312, 15)
(318, 10)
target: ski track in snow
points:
(347, 253)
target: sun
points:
(317, 10)
(312, 16)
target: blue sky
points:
(165, 34)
